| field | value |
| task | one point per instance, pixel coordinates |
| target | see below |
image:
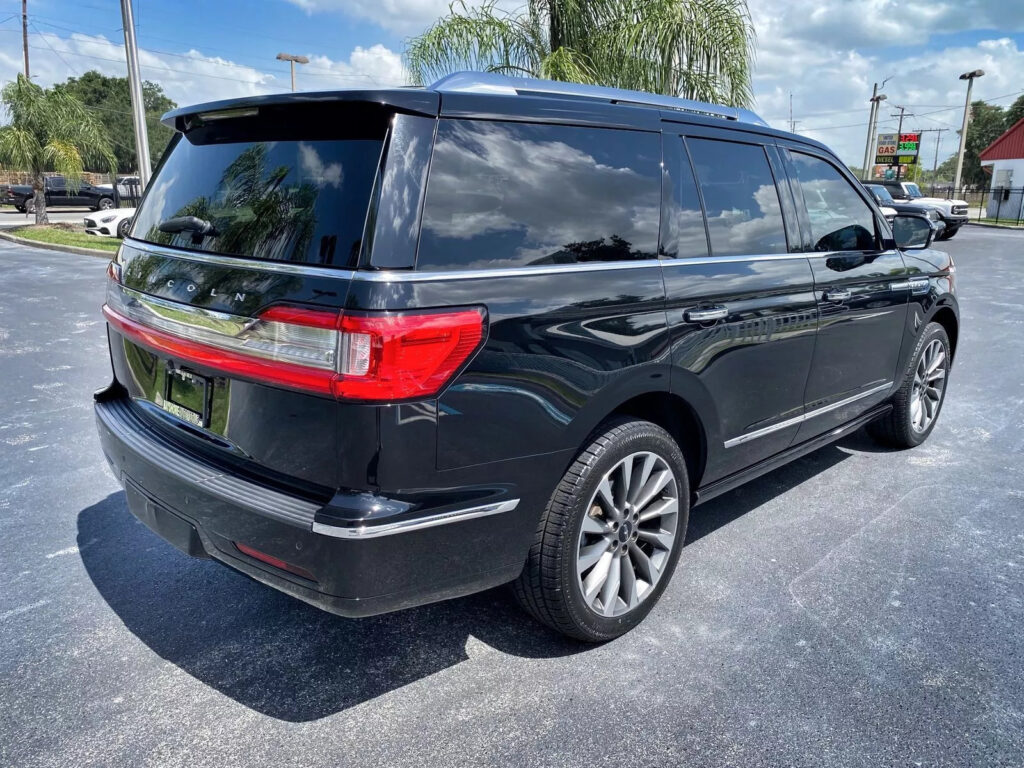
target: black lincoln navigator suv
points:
(380, 348)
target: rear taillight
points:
(380, 356)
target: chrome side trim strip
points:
(747, 437)
(403, 276)
(405, 526)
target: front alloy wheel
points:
(916, 404)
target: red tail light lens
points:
(380, 357)
(397, 357)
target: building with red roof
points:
(1005, 158)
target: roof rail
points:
(489, 82)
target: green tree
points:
(1015, 112)
(109, 100)
(50, 129)
(699, 49)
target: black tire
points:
(104, 204)
(122, 228)
(549, 587)
(948, 234)
(21, 209)
(896, 429)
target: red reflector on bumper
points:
(263, 557)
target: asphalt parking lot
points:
(856, 608)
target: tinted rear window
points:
(514, 194)
(740, 199)
(282, 200)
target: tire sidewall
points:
(931, 332)
(644, 436)
(122, 228)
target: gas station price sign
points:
(901, 149)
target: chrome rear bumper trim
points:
(416, 524)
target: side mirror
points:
(912, 232)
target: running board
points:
(717, 488)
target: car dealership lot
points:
(858, 607)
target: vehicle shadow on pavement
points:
(271, 652)
(288, 660)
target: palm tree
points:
(50, 130)
(699, 49)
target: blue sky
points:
(827, 54)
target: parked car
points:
(110, 223)
(952, 212)
(535, 325)
(58, 193)
(886, 203)
(128, 187)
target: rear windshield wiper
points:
(199, 228)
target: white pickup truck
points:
(953, 212)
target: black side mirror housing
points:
(912, 232)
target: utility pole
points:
(792, 122)
(24, 33)
(131, 51)
(938, 142)
(899, 133)
(969, 77)
(293, 60)
(869, 146)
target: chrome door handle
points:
(838, 294)
(706, 315)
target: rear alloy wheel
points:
(917, 404)
(611, 534)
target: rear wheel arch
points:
(677, 417)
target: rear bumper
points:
(398, 556)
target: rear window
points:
(514, 194)
(280, 199)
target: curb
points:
(995, 226)
(57, 247)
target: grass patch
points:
(65, 235)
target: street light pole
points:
(24, 33)
(876, 99)
(969, 77)
(899, 134)
(131, 51)
(293, 60)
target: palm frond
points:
(481, 38)
(64, 157)
(20, 149)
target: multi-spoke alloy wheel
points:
(627, 534)
(916, 404)
(611, 534)
(929, 381)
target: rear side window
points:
(514, 194)
(740, 199)
(282, 200)
(840, 218)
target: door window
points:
(740, 199)
(503, 194)
(840, 218)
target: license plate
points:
(187, 396)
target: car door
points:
(56, 191)
(861, 290)
(739, 294)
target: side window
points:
(515, 194)
(683, 234)
(840, 219)
(740, 199)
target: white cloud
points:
(404, 17)
(828, 56)
(192, 77)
